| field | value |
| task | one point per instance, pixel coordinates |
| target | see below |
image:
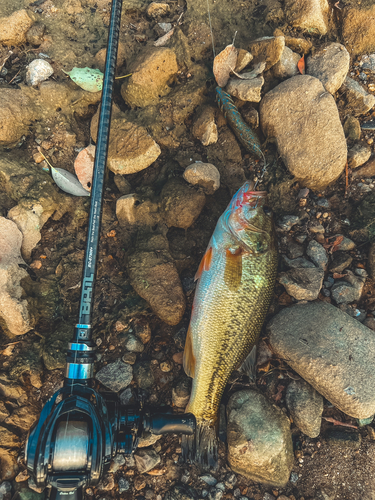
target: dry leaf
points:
(68, 182)
(160, 42)
(337, 422)
(250, 75)
(301, 65)
(84, 166)
(223, 64)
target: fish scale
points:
(228, 313)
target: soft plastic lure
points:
(242, 131)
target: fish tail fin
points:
(202, 446)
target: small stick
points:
(15, 76)
(346, 178)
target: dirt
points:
(75, 32)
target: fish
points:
(370, 125)
(243, 132)
(235, 284)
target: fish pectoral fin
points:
(249, 365)
(189, 358)
(233, 269)
(205, 264)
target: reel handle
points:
(164, 423)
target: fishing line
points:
(212, 33)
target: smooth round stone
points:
(38, 71)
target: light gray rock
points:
(123, 485)
(286, 67)
(330, 64)
(368, 62)
(146, 460)
(38, 71)
(132, 343)
(317, 254)
(303, 283)
(331, 351)
(359, 100)
(115, 376)
(309, 15)
(246, 90)
(358, 155)
(259, 439)
(298, 263)
(303, 119)
(203, 174)
(349, 289)
(286, 222)
(204, 127)
(305, 406)
(148, 439)
(126, 396)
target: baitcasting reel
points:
(80, 431)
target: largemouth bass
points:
(236, 278)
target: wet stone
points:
(142, 330)
(143, 375)
(352, 128)
(302, 283)
(115, 376)
(343, 439)
(305, 406)
(146, 460)
(349, 289)
(317, 254)
(340, 261)
(358, 155)
(330, 64)
(331, 351)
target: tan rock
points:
(205, 128)
(8, 439)
(368, 170)
(243, 59)
(352, 128)
(305, 123)
(8, 464)
(101, 55)
(299, 45)
(150, 75)
(358, 28)
(15, 116)
(203, 174)
(246, 90)
(308, 14)
(158, 9)
(13, 29)
(359, 100)
(330, 64)
(131, 149)
(267, 49)
(22, 418)
(358, 155)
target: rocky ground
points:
(303, 429)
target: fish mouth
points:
(248, 189)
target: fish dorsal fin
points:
(189, 358)
(233, 269)
(205, 264)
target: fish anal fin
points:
(248, 366)
(205, 263)
(233, 269)
(189, 358)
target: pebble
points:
(181, 392)
(293, 249)
(204, 126)
(343, 438)
(331, 351)
(340, 261)
(349, 289)
(142, 330)
(115, 376)
(370, 323)
(132, 343)
(287, 65)
(268, 49)
(166, 27)
(346, 245)
(146, 459)
(358, 99)
(298, 263)
(148, 439)
(208, 479)
(305, 406)
(117, 462)
(302, 283)
(330, 64)
(317, 254)
(13, 29)
(129, 357)
(314, 163)
(143, 375)
(268, 496)
(246, 90)
(123, 485)
(293, 477)
(361, 272)
(286, 222)
(352, 128)
(203, 174)
(358, 155)
(38, 71)
(166, 366)
(254, 422)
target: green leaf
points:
(87, 78)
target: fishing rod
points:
(79, 430)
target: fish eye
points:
(267, 210)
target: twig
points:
(15, 76)
(346, 178)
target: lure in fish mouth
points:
(235, 285)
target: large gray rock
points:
(359, 100)
(349, 289)
(331, 351)
(116, 376)
(309, 15)
(305, 406)
(259, 439)
(330, 64)
(303, 283)
(303, 119)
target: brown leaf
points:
(337, 422)
(223, 64)
(84, 166)
(337, 276)
(301, 65)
